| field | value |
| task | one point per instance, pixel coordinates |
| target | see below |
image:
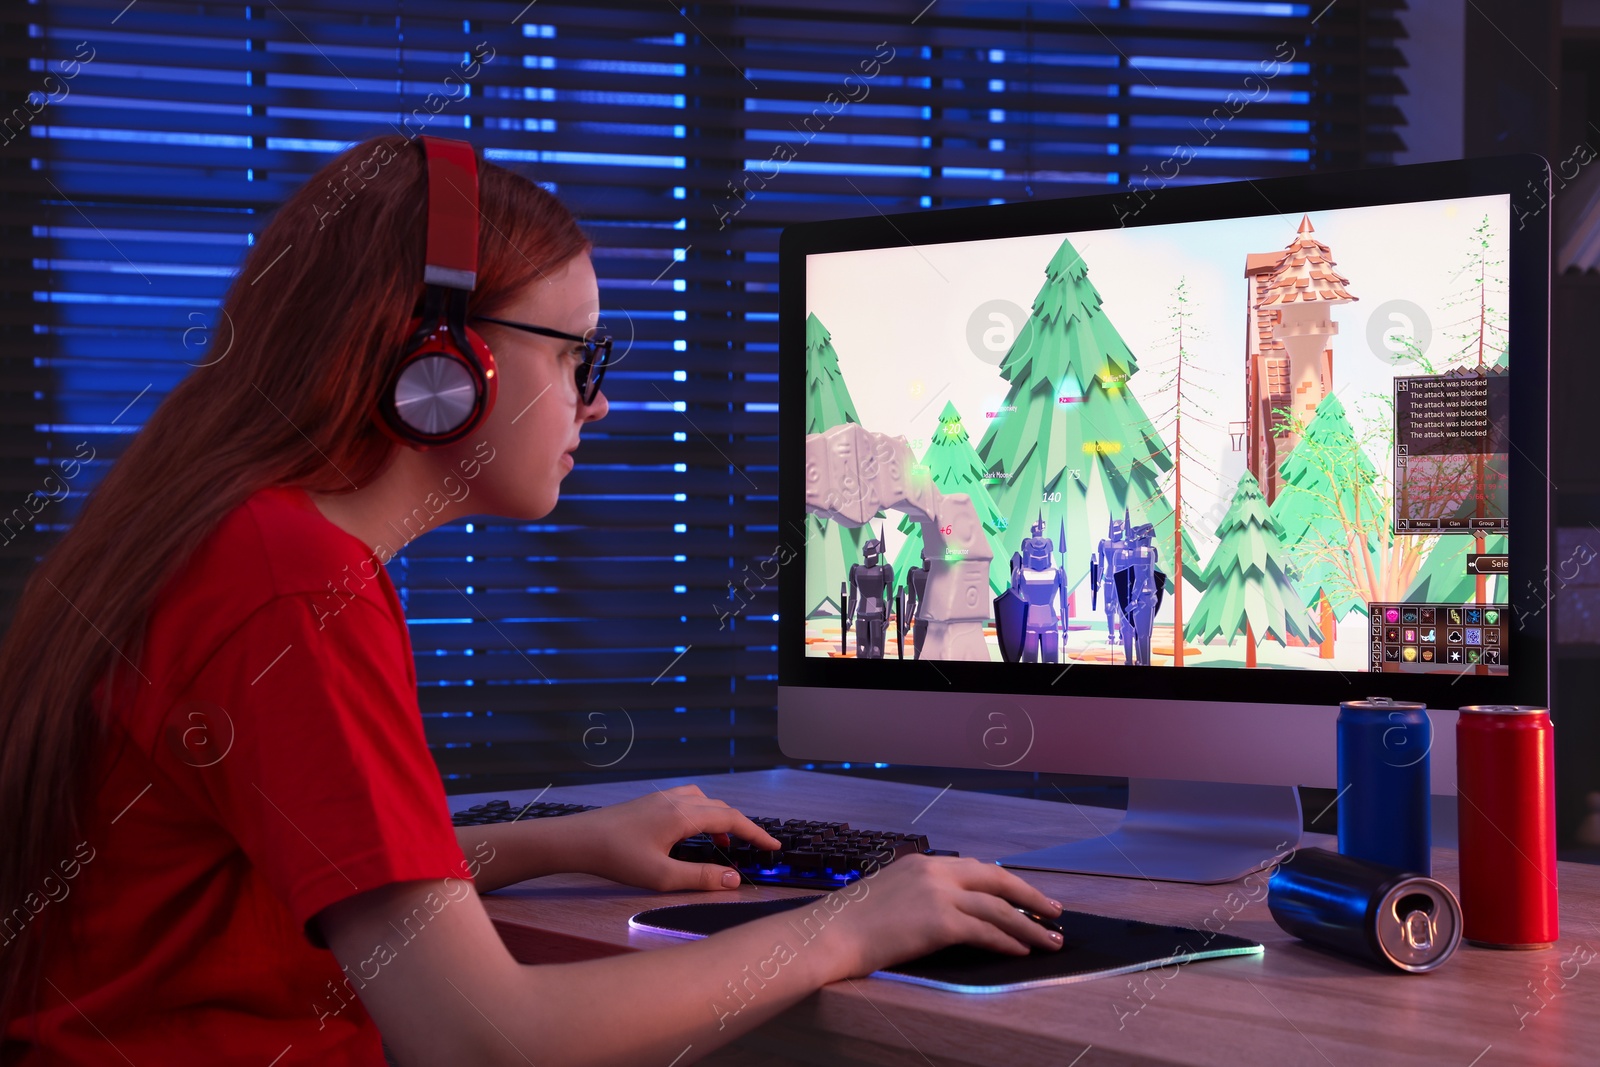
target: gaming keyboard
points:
(812, 853)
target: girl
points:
(229, 842)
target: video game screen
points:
(1276, 441)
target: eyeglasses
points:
(597, 353)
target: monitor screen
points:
(1270, 441)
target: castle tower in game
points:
(1288, 358)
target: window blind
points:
(630, 633)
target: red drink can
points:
(1506, 817)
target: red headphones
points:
(444, 385)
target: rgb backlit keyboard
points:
(813, 853)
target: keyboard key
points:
(805, 863)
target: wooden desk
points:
(1294, 1004)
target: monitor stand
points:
(1178, 831)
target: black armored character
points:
(868, 601)
(916, 590)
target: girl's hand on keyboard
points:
(629, 842)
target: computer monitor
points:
(1158, 478)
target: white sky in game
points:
(899, 317)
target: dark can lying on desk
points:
(1391, 917)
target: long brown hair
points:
(312, 324)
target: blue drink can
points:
(1392, 918)
(1383, 783)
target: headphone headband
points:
(452, 256)
(443, 386)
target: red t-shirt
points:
(274, 764)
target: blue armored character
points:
(1116, 534)
(870, 586)
(1127, 564)
(1042, 584)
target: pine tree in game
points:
(1248, 590)
(1070, 421)
(1332, 518)
(831, 549)
(1184, 379)
(1382, 564)
(955, 467)
(1481, 346)
(1373, 563)
(1433, 568)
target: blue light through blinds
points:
(685, 137)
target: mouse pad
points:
(1093, 946)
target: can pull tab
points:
(1417, 929)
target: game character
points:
(915, 589)
(1127, 564)
(868, 601)
(1100, 562)
(1039, 581)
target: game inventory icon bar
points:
(1437, 637)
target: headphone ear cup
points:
(438, 394)
(491, 377)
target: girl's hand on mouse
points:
(629, 842)
(919, 904)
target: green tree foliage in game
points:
(1070, 419)
(1248, 590)
(955, 467)
(1331, 515)
(1444, 578)
(830, 547)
